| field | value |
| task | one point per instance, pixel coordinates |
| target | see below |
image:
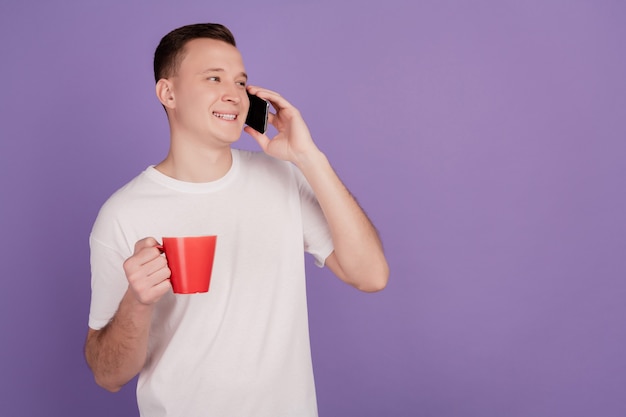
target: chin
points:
(231, 138)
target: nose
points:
(231, 94)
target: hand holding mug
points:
(147, 272)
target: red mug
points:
(191, 261)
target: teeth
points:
(225, 116)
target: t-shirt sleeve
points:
(317, 238)
(108, 282)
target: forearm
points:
(117, 352)
(358, 249)
(358, 258)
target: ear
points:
(165, 93)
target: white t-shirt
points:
(242, 349)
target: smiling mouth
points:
(225, 116)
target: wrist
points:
(307, 161)
(134, 307)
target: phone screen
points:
(257, 114)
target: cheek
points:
(189, 95)
(191, 99)
(195, 108)
(245, 104)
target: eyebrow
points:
(208, 70)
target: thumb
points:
(260, 138)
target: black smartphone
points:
(257, 114)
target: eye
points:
(241, 83)
(214, 79)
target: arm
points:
(358, 258)
(117, 352)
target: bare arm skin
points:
(358, 258)
(117, 352)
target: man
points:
(242, 349)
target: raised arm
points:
(117, 352)
(358, 258)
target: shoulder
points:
(257, 158)
(129, 191)
(122, 200)
(258, 163)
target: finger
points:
(260, 138)
(157, 266)
(271, 117)
(252, 89)
(143, 279)
(277, 101)
(135, 266)
(154, 271)
(163, 287)
(156, 292)
(145, 243)
(145, 255)
(151, 294)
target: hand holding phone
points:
(258, 113)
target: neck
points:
(196, 165)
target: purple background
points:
(485, 139)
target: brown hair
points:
(171, 50)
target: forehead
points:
(203, 53)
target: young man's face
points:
(209, 90)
